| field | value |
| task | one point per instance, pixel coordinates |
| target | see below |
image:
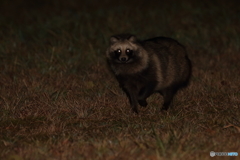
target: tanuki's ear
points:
(113, 40)
(132, 38)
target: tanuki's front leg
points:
(132, 96)
(144, 93)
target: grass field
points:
(58, 100)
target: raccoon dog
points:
(144, 67)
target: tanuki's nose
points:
(123, 59)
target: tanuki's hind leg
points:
(168, 95)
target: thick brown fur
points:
(144, 67)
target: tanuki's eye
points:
(117, 52)
(129, 52)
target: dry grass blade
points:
(231, 125)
